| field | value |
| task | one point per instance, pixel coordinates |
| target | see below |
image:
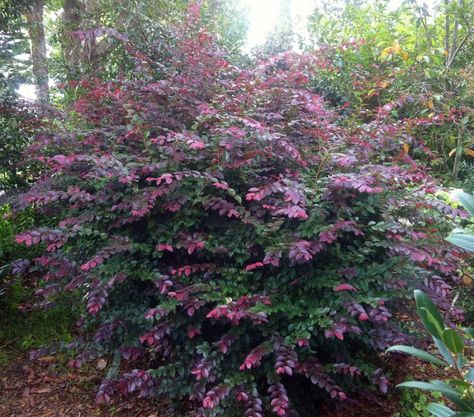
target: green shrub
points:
(25, 329)
(18, 125)
(10, 225)
(414, 403)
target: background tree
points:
(39, 59)
(13, 42)
(81, 50)
(70, 44)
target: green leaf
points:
(429, 386)
(439, 410)
(470, 332)
(467, 201)
(459, 384)
(464, 414)
(453, 341)
(469, 375)
(462, 239)
(448, 357)
(460, 360)
(447, 390)
(429, 326)
(421, 354)
(429, 314)
(459, 402)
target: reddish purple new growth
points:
(105, 332)
(356, 309)
(345, 287)
(252, 403)
(253, 359)
(331, 234)
(189, 269)
(54, 239)
(279, 399)
(314, 370)
(225, 343)
(120, 245)
(223, 207)
(347, 369)
(237, 311)
(302, 251)
(156, 312)
(286, 360)
(136, 381)
(215, 395)
(132, 354)
(96, 298)
(379, 314)
(157, 338)
(84, 357)
(105, 392)
(340, 327)
(201, 370)
(381, 380)
(20, 266)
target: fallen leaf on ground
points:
(43, 390)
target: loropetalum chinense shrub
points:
(235, 246)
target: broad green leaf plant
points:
(452, 347)
(462, 237)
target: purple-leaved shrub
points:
(231, 239)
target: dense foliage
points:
(18, 124)
(235, 244)
(424, 52)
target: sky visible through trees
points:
(262, 16)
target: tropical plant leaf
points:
(429, 314)
(440, 410)
(453, 341)
(440, 386)
(448, 357)
(430, 386)
(464, 240)
(421, 354)
(467, 201)
(470, 331)
(459, 384)
(469, 376)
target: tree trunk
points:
(34, 16)
(459, 152)
(71, 45)
(94, 52)
(446, 31)
(454, 44)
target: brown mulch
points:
(403, 368)
(49, 389)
